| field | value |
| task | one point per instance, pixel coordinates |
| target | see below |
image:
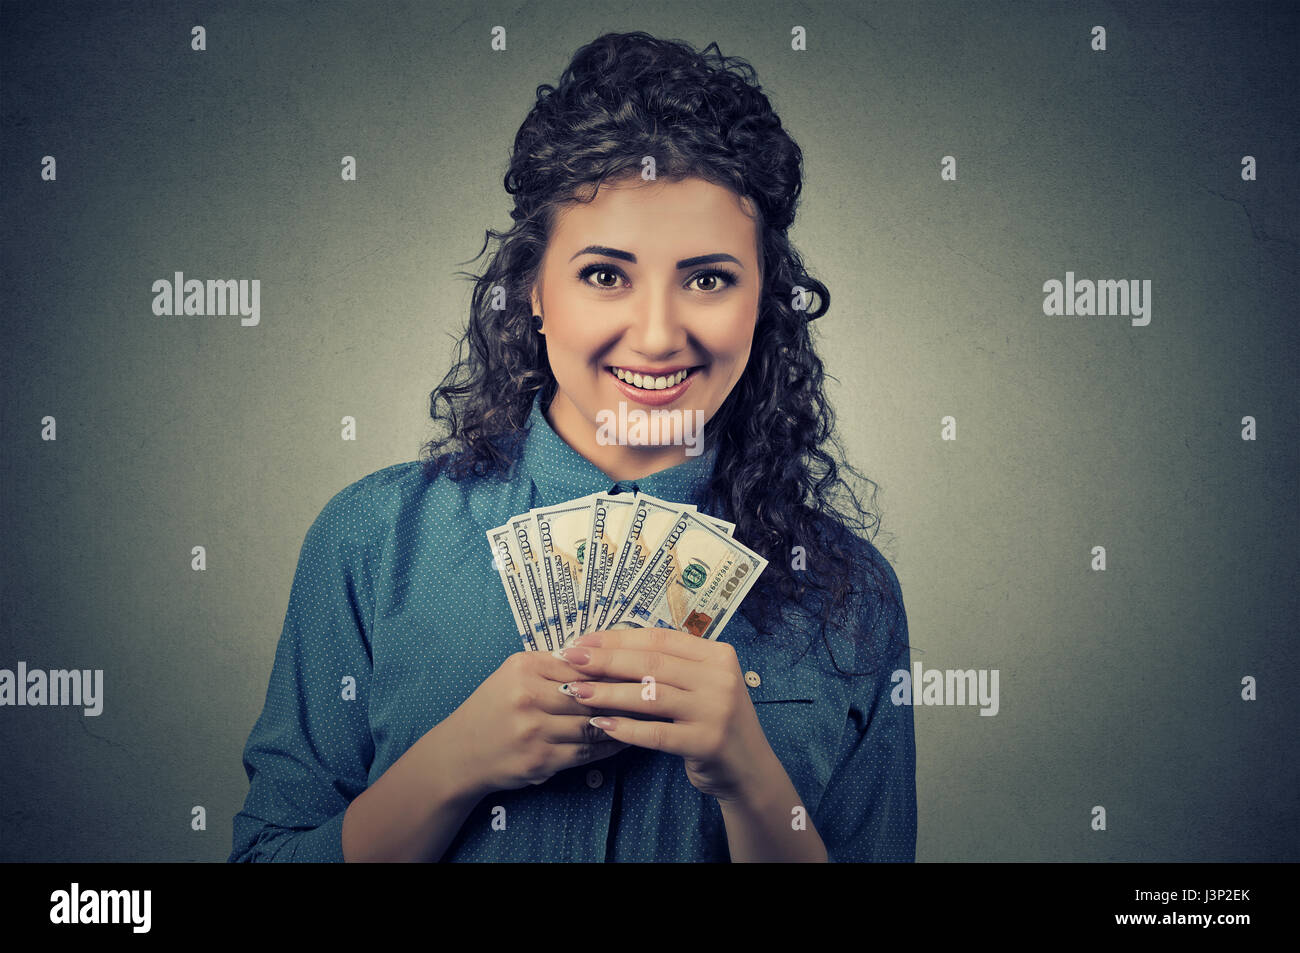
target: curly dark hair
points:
(778, 471)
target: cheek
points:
(731, 333)
(573, 344)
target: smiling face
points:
(649, 295)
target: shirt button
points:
(752, 679)
(594, 778)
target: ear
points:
(536, 303)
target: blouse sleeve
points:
(310, 751)
(868, 812)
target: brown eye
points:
(607, 277)
(718, 280)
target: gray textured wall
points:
(1118, 688)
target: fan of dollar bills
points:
(617, 561)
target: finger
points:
(549, 667)
(548, 696)
(577, 754)
(662, 702)
(574, 730)
(656, 735)
(554, 698)
(668, 641)
(635, 665)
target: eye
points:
(609, 275)
(714, 276)
(605, 270)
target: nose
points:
(657, 332)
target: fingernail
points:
(602, 723)
(576, 689)
(575, 655)
(589, 639)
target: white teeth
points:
(646, 382)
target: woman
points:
(653, 192)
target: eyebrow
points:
(628, 256)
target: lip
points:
(653, 398)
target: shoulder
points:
(358, 504)
(403, 504)
(356, 517)
(399, 487)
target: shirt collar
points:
(560, 473)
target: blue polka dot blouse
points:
(395, 588)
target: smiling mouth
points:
(652, 382)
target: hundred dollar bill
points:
(505, 557)
(693, 582)
(609, 520)
(635, 544)
(728, 528)
(546, 626)
(651, 519)
(653, 539)
(609, 530)
(562, 533)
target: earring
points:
(537, 322)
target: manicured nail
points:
(575, 656)
(603, 723)
(576, 689)
(589, 639)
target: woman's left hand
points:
(694, 696)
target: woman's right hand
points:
(518, 728)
